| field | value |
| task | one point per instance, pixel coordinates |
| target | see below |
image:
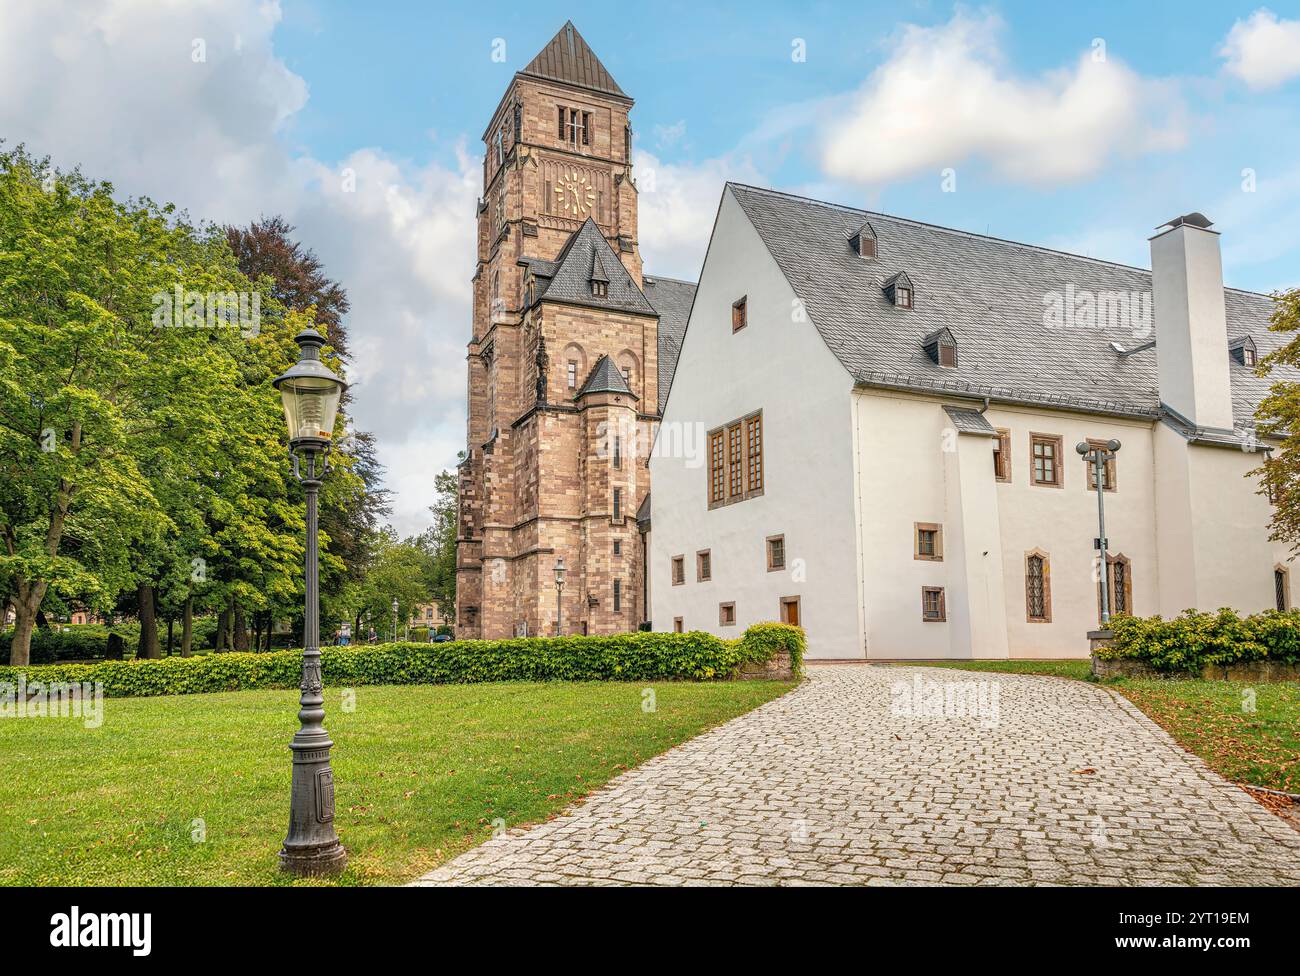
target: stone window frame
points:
(1047, 587)
(1109, 583)
(937, 529)
(794, 601)
(1058, 469)
(703, 566)
(679, 625)
(616, 505)
(1002, 456)
(942, 616)
(678, 571)
(735, 471)
(618, 547)
(1285, 573)
(727, 614)
(772, 565)
(1110, 468)
(618, 595)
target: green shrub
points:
(89, 642)
(1197, 639)
(762, 641)
(620, 657)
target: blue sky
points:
(1076, 126)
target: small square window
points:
(738, 317)
(1248, 357)
(679, 570)
(903, 297)
(775, 553)
(703, 566)
(618, 548)
(932, 604)
(727, 614)
(928, 541)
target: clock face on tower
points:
(574, 195)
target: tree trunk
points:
(241, 630)
(223, 627)
(27, 604)
(171, 624)
(187, 627)
(149, 647)
(41, 620)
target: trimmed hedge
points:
(621, 657)
(89, 642)
(1197, 639)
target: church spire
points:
(568, 59)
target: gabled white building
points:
(890, 412)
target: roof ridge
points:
(963, 233)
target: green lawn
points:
(421, 771)
(1259, 748)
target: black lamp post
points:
(559, 594)
(311, 395)
(1098, 457)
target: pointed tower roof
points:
(568, 59)
(605, 378)
(587, 256)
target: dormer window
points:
(941, 347)
(864, 242)
(600, 289)
(899, 291)
(1243, 351)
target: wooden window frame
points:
(571, 374)
(703, 561)
(943, 605)
(1058, 442)
(1285, 573)
(679, 625)
(739, 314)
(788, 601)
(773, 567)
(1248, 357)
(1109, 467)
(1047, 587)
(736, 470)
(937, 529)
(677, 563)
(1002, 465)
(903, 296)
(722, 614)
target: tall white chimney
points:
(1191, 325)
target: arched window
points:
(1038, 587)
(573, 368)
(1119, 584)
(628, 365)
(1282, 587)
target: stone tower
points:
(563, 364)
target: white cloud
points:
(1263, 51)
(115, 88)
(944, 97)
(676, 207)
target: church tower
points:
(563, 362)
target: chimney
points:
(1191, 326)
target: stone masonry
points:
(830, 785)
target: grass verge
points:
(193, 790)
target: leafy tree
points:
(1279, 415)
(99, 406)
(400, 571)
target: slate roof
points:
(969, 421)
(605, 377)
(672, 299)
(568, 59)
(990, 295)
(571, 272)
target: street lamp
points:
(311, 393)
(394, 620)
(1099, 456)
(559, 593)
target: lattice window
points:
(1045, 457)
(932, 604)
(735, 463)
(754, 447)
(1036, 587)
(717, 468)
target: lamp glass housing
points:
(310, 406)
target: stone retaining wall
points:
(778, 668)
